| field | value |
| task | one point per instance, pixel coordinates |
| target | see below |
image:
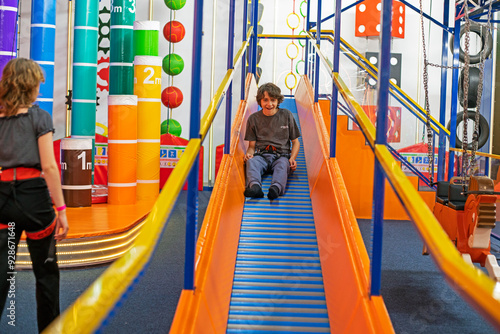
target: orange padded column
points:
(122, 149)
(147, 87)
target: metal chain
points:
(475, 138)
(443, 66)
(430, 154)
(465, 154)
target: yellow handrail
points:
(488, 155)
(472, 283)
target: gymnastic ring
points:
(296, 47)
(300, 8)
(297, 66)
(474, 74)
(302, 31)
(486, 39)
(483, 129)
(104, 127)
(295, 82)
(288, 23)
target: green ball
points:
(175, 4)
(171, 126)
(173, 64)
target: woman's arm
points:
(51, 175)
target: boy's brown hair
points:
(272, 90)
(19, 85)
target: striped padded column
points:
(42, 47)
(146, 38)
(8, 31)
(148, 90)
(122, 149)
(121, 65)
(85, 68)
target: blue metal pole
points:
(42, 47)
(444, 78)
(194, 132)
(454, 96)
(381, 139)
(431, 172)
(336, 62)
(255, 22)
(244, 62)
(229, 95)
(308, 22)
(317, 64)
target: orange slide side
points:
(206, 308)
(344, 259)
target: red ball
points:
(174, 31)
(171, 97)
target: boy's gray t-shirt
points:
(19, 138)
(277, 130)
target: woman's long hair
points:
(19, 85)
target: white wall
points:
(275, 63)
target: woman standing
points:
(29, 172)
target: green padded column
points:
(85, 69)
(121, 65)
(146, 38)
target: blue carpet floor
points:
(416, 295)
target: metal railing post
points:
(381, 139)
(194, 132)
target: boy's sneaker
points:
(255, 191)
(273, 193)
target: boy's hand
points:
(248, 156)
(293, 164)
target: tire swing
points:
(473, 87)
(486, 39)
(483, 129)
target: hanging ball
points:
(174, 31)
(175, 4)
(173, 64)
(171, 126)
(172, 97)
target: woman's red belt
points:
(19, 173)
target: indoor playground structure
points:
(299, 263)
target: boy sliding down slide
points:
(269, 132)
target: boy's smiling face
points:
(269, 105)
